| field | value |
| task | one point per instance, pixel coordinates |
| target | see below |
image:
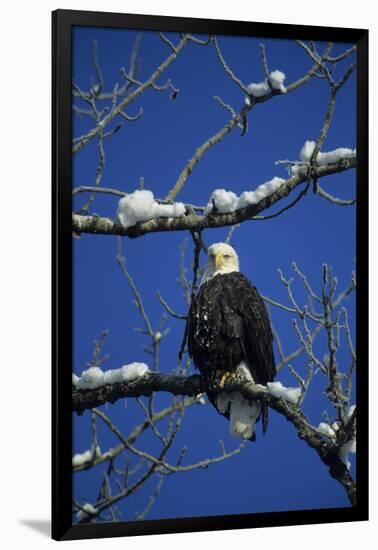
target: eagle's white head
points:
(221, 259)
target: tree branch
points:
(78, 145)
(195, 384)
(105, 226)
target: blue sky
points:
(279, 472)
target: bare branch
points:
(138, 300)
(91, 189)
(264, 60)
(342, 56)
(285, 208)
(133, 95)
(166, 40)
(335, 200)
(112, 453)
(168, 309)
(198, 41)
(228, 108)
(162, 464)
(231, 233)
(99, 74)
(229, 72)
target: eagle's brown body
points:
(229, 325)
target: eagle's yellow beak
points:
(218, 261)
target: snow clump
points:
(289, 394)
(87, 509)
(322, 159)
(141, 206)
(227, 201)
(94, 377)
(275, 82)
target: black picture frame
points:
(62, 23)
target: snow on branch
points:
(195, 384)
(141, 206)
(275, 81)
(222, 201)
(94, 377)
(326, 158)
(192, 222)
(322, 158)
(347, 442)
(89, 455)
(86, 511)
(292, 395)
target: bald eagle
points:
(229, 334)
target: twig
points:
(264, 61)
(285, 208)
(91, 189)
(335, 200)
(138, 300)
(168, 309)
(230, 234)
(229, 72)
(166, 40)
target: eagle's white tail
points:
(243, 412)
(243, 417)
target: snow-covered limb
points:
(348, 435)
(227, 201)
(87, 456)
(274, 82)
(325, 158)
(201, 400)
(195, 384)
(141, 206)
(192, 222)
(322, 159)
(86, 510)
(348, 447)
(350, 412)
(326, 429)
(288, 394)
(94, 377)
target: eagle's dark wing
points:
(249, 322)
(252, 328)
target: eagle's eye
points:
(226, 256)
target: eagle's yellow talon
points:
(226, 376)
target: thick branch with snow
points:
(192, 222)
(193, 385)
